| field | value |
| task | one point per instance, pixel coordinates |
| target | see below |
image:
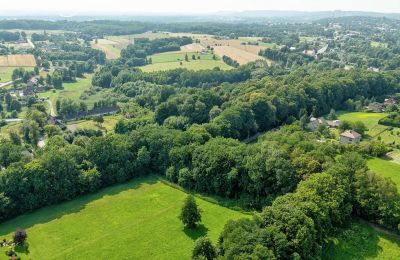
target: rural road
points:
(12, 120)
(5, 84)
(52, 113)
(31, 43)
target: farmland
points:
(360, 241)
(18, 60)
(191, 65)
(111, 48)
(135, 220)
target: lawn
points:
(10, 127)
(386, 169)
(191, 65)
(135, 220)
(70, 90)
(369, 119)
(107, 126)
(173, 57)
(360, 242)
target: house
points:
(316, 122)
(309, 53)
(350, 137)
(334, 123)
(376, 107)
(33, 82)
(390, 101)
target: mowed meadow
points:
(134, 220)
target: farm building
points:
(390, 101)
(316, 122)
(376, 107)
(334, 123)
(350, 137)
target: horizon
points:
(190, 7)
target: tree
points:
(186, 57)
(203, 249)
(15, 138)
(190, 214)
(359, 127)
(332, 115)
(20, 236)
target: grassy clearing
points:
(375, 130)
(107, 126)
(369, 119)
(10, 127)
(6, 73)
(135, 220)
(375, 44)
(70, 90)
(174, 57)
(386, 169)
(191, 65)
(360, 242)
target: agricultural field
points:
(107, 126)
(369, 119)
(386, 169)
(361, 241)
(70, 90)
(18, 60)
(6, 73)
(111, 48)
(134, 220)
(178, 56)
(191, 65)
(258, 40)
(235, 49)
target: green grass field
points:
(135, 220)
(369, 119)
(70, 90)
(386, 169)
(6, 73)
(108, 124)
(360, 242)
(191, 65)
(379, 44)
(175, 56)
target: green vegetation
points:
(108, 124)
(379, 44)
(70, 90)
(178, 56)
(191, 65)
(369, 119)
(360, 241)
(138, 219)
(386, 169)
(6, 73)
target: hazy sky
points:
(76, 7)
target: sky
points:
(77, 7)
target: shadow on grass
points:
(358, 241)
(195, 233)
(49, 213)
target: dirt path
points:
(380, 229)
(52, 113)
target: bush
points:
(203, 249)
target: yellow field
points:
(18, 60)
(234, 49)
